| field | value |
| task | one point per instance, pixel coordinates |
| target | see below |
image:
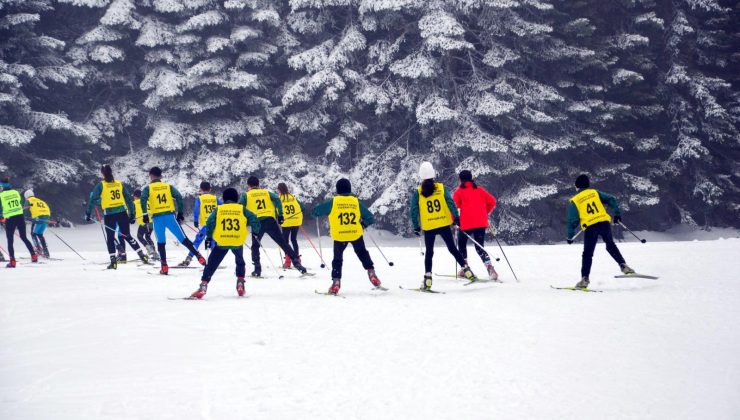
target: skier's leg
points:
(294, 240)
(256, 251)
(199, 238)
(446, 234)
(480, 236)
(611, 247)
(22, 233)
(273, 230)
(336, 263)
(34, 239)
(9, 230)
(363, 254)
(590, 236)
(125, 230)
(160, 233)
(110, 234)
(429, 237)
(140, 235)
(214, 260)
(241, 265)
(462, 243)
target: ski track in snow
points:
(80, 344)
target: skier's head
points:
(230, 194)
(137, 193)
(107, 173)
(28, 194)
(344, 186)
(465, 177)
(582, 181)
(283, 189)
(155, 173)
(205, 187)
(426, 171)
(253, 182)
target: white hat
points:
(28, 193)
(426, 171)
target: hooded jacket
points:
(475, 205)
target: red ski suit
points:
(475, 205)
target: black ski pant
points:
(446, 234)
(11, 224)
(360, 250)
(269, 226)
(590, 237)
(217, 255)
(119, 220)
(144, 234)
(290, 234)
(479, 235)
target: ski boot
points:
(2, 257)
(374, 278)
(468, 274)
(185, 262)
(113, 263)
(300, 267)
(164, 270)
(426, 285)
(34, 258)
(583, 284)
(240, 286)
(492, 274)
(256, 273)
(286, 264)
(11, 264)
(461, 273)
(153, 256)
(198, 294)
(122, 259)
(201, 260)
(142, 256)
(626, 270)
(335, 285)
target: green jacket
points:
(324, 209)
(275, 202)
(414, 207)
(27, 213)
(252, 219)
(94, 200)
(574, 219)
(179, 206)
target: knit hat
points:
(344, 186)
(426, 171)
(28, 193)
(582, 181)
(230, 194)
(466, 176)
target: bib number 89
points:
(434, 206)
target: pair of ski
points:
(378, 288)
(621, 276)
(474, 281)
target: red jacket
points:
(475, 205)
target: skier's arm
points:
(94, 198)
(572, 221)
(610, 201)
(129, 201)
(253, 221)
(302, 206)
(277, 203)
(451, 204)
(196, 211)
(26, 208)
(179, 205)
(323, 209)
(243, 199)
(211, 224)
(368, 218)
(145, 201)
(414, 209)
(490, 201)
(457, 198)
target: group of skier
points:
(222, 224)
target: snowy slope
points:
(80, 343)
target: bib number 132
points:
(347, 219)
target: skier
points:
(118, 211)
(268, 208)
(432, 209)
(40, 214)
(144, 231)
(475, 204)
(11, 210)
(588, 211)
(165, 202)
(226, 227)
(205, 203)
(347, 218)
(293, 220)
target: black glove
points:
(145, 219)
(456, 221)
(209, 242)
(196, 224)
(180, 217)
(88, 218)
(280, 219)
(132, 219)
(417, 231)
(570, 241)
(617, 220)
(362, 223)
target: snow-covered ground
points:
(80, 343)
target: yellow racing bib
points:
(344, 219)
(231, 225)
(590, 208)
(139, 212)
(112, 195)
(38, 207)
(259, 203)
(160, 198)
(291, 211)
(208, 203)
(433, 210)
(12, 205)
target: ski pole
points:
(476, 243)
(503, 253)
(421, 248)
(4, 251)
(303, 231)
(280, 276)
(318, 235)
(379, 250)
(633, 233)
(102, 226)
(65, 243)
(576, 235)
